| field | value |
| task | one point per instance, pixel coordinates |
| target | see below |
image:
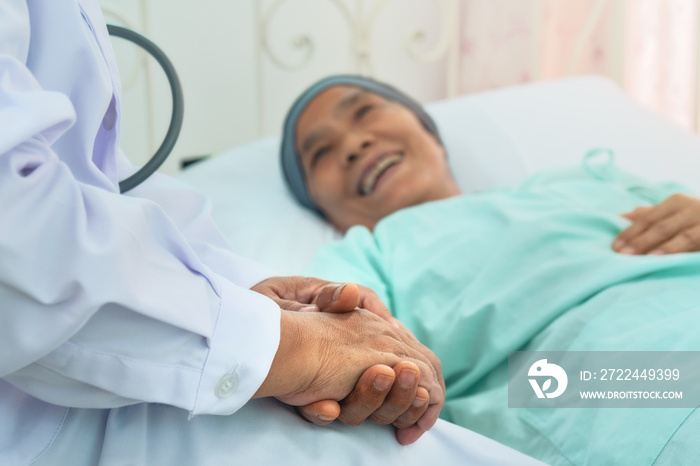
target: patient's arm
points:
(669, 227)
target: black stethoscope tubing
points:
(178, 107)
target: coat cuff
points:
(244, 343)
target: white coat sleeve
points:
(105, 300)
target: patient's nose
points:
(358, 152)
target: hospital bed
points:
(493, 139)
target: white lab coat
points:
(106, 300)
(135, 303)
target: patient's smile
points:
(365, 157)
(376, 170)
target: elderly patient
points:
(539, 266)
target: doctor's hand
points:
(383, 394)
(386, 394)
(670, 227)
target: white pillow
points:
(492, 139)
(499, 137)
(254, 209)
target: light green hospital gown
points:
(531, 268)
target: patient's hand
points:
(670, 227)
(406, 403)
(384, 395)
(307, 294)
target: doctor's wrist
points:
(289, 372)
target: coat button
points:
(226, 386)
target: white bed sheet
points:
(263, 432)
(493, 139)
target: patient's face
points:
(365, 157)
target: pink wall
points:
(649, 46)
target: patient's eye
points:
(319, 154)
(363, 110)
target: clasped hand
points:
(667, 228)
(351, 361)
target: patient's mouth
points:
(369, 180)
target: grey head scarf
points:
(291, 163)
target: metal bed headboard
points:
(286, 58)
(361, 19)
(431, 44)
